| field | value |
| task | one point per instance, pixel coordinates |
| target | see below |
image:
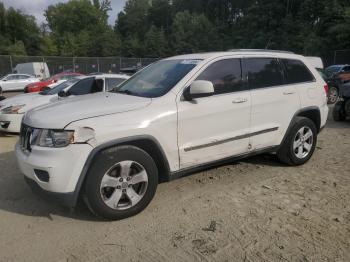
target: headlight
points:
(12, 109)
(52, 138)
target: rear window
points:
(263, 72)
(297, 72)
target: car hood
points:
(60, 114)
(18, 100)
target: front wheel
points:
(121, 183)
(300, 143)
(333, 95)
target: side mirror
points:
(198, 89)
(4, 80)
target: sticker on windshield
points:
(190, 62)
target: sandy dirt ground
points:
(253, 210)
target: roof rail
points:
(260, 50)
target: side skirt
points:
(192, 170)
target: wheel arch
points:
(147, 143)
(313, 113)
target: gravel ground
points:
(252, 210)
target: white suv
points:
(176, 116)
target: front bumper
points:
(62, 165)
(11, 123)
(64, 199)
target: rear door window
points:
(262, 72)
(23, 77)
(226, 76)
(296, 72)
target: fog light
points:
(42, 175)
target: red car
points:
(40, 86)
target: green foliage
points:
(19, 33)
(17, 48)
(80, 28)
(158, 28)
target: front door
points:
(216, 127)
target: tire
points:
(108, 191)
(333, 95)
(296, 150)
(338, 112)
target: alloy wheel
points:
(303, 142)
(124, 185)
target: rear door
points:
(273, 102)
(216, 127)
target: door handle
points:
(240, 100)
(288, 93)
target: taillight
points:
(326, 89)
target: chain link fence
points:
(85, 65)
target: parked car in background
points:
(332, 87)
(176, 116)
(341, 109)
(38, 69)
(16, 82)
(13, 109)
(130, 70)
(1, 96)
(47, 83)
(335, 76)
(337, 69)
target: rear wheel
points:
(121, 183)
(300, 143)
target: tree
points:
(155, 42)
(17, 48)
(193, 33)
(84, 32)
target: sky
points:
(37, 7)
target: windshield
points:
(1, 78)
(157, 79)
(59, 87)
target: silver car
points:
(16, 82)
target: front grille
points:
(25, 138)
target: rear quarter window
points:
(296, 72)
